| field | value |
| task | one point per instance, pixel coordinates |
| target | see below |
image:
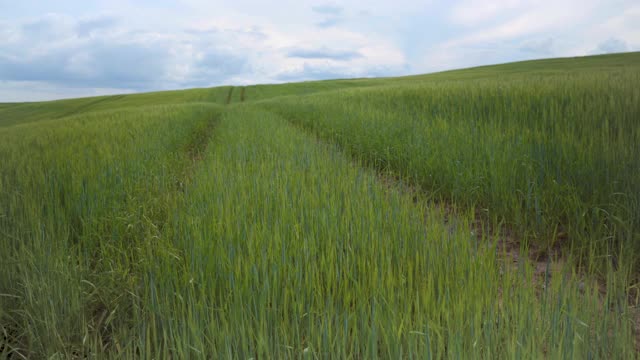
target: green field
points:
(491, 212)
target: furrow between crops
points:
(545, 156)
(545, 262)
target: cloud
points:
(538, 46)
(329, 22)
(106, 65)
(473, 12)
(132, 65)
(86, 27)
(617, 33)
(49, 68)
(327, 9)
(46, 28)
(610, 46)
(538, 19)
(133, 45)
(519, 30)
(216, 66)
(332, 15)
(17, 91)
(311, 71)
(324, 53)
(117, 58)
(104, 52)
(322, 72)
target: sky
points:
(73, 48)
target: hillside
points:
(490, 212)
(13, 113)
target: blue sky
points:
(72, 48)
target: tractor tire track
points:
(228, 101)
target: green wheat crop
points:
(349, 219)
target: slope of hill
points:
(491, 212)
(13, 113)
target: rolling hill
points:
(490, 212)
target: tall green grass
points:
(553, 156)
(81, 201)
(284, 248)
(21, 113)
(275, 245)
(281, 226)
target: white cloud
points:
(145, 45)
(531, 29)
(17, 91)
(625, 27)
(610, 46)
(549, 16)
(539, 46)
(99, 52)
(473, 12)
